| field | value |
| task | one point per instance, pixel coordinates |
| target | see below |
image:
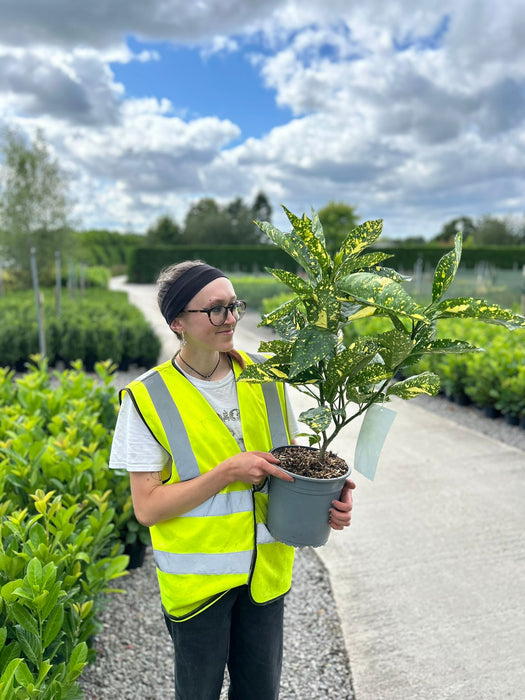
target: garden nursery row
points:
(93, 326)
(66, 519)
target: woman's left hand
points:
(341, 511)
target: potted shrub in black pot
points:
(345, 381)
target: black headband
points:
(185, 288)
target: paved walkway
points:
(430, 579)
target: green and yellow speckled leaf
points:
(280, 348)
(424, 383)
(323, 309)
(362, 312)
(261, 373)
(390, 273)
(312, 346)
(360, 263)
(467, 307)
(446, 269)
(446, 346)
(292, 244)
(371, 375)
(317, 228)
(280, 312)
(304, 229)
(396, 346)
(347, 364)
(294, 282)
(382, 293)
(357, 240)
(317, 419)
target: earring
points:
(182, 338)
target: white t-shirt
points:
(134, 448)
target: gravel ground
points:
(135, 653)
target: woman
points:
(197, 446)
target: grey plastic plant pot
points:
(298, 511)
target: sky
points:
(413, 111)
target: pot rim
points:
(311, 478)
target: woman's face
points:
(199, 333)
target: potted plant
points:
(345, 380)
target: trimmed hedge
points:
(145, 263)
(504, 257)
(98, 326)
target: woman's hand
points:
(253, 467)
(341, 511)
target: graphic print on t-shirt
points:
(231, 419)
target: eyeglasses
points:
(217, 315)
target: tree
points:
(492, 231)
(207, 222)
(449, 230)
(34, 207)
(261, 208)
(164, 231)
(338, 219)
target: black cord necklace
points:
(204, 376)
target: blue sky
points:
(396, 108)
(224, 84)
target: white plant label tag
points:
(374, 429)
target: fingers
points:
(341, 511)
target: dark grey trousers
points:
(233, 632)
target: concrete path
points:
(430, 578)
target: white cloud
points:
(412, 111)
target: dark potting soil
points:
(305, 462)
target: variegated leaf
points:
(294, 282)
(303, 228)
(317, 227)
(357, 240)
(311, 346)
(446, 346)
(280, 312)
(446, 269)
(318, 419)
(467, 307)
(280, 348)
(359, 263)
(392, 274)
(261, 373)
(362, 312)
(382, 293)
(346, 364)
(292, 244)
(396, 346)
(424, 383)
(323, 309)
(371, 375)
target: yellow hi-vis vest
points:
(224, 542)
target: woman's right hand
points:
(253, 467)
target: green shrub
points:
(97, 326)
(145, 263)
(64, 518)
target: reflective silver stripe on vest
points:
(263, 534)
(166, 408)
(223, 504)
(273, 408)
(207, 564)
